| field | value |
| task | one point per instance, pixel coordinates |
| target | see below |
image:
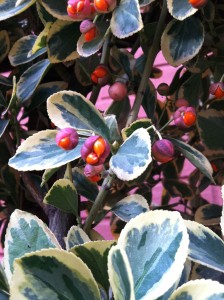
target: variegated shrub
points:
(55, 187)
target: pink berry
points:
(181, 102)
(185, 117)
(163, 150)
(67, 138)
(118, 91)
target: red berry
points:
(118, 91)
(90, 35)
(92, 159)
(163, 150)
(94, 178)
(214, 167)
(99, 146)
(101, 5)
(198, 3)
(100, 75)
(217, 89)
(219, 93)
(189, 118)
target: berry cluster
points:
(94, 151)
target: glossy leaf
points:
(30, 79)
(180, 9)
(58, 9)
(41, 147)
(10, 9)
(20, 52)
(4, 44)
(84, 186)
(95, 255)
(156, 242)
(4, 286)
(126, 19)
(63, 195)
(3, 125)
(56, 273)
(182, 40)
(71, 109)
(140, 123)
(58, 36)
(5, 81)
(47, 175)
(84, 66)
(199, 289)
(25, 233)
(43, 14)
(133, 157)
(111, 122)
(76, 236)
(205, 247)
(41, 40)
(208, 214)
(120, 274)
(86, 49)
(195, 157)
(130, 207)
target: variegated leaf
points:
(95, 254)
(133, 156)
(47, 175)
(57, 36)
(53, 274)
(206, 247)
(20, 53)
(40, 152)
(130, 207)
(126, 19)
(13, 7)
(57, 8)
(87, 49)
(71, 109)
(63, 195)
(156, 242)
(41, 40)
(120, 274)
(4, 44)
(180, 9)
(199, 290)
(25, 233)
(30, 79)
(44, 16)
(182, 40)
(76, 236)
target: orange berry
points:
(219, 93)
(99, 146)
(100, 72)
(214, 167)
(64, 143)
(80, 6)
(92, 159)
(197, 3)
(189, 118)
(71, 9)
(101, 5)
(94, 178)
(94, 78)
(90, 35)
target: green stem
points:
(107, 184)
(149, 64)
(161, 129)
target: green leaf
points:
(94, 255)
(4, 44)
(41, 147)
(86, 49)
(211, 128)
(5, 81)
(157, 243)
(13, 7)
(180, 9)
(11, 180)
(44, 91)
(25, 233)
(76, 236)
(20, 52)
(195, 157)
(84, 187)
(206, 247)
(120, 274)
(63, 195)
(30, 79)
(84, 66)
(111, 122)
(56, 274)
(41, 40)
(67, 107)
(57, 36)
(140, 123)
(130, 207)
(126, 19)
(199, 289)
(45, 17)
(47, 175)
(182, 40)
(133, 156)
(3, 125)
(178, 188)
(143, 3)
(208, 214)
(57, 8)
(4, 296)
(4, 286)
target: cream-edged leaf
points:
(180, 9)
(76, 236)
(4, 44)
(11, 8)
